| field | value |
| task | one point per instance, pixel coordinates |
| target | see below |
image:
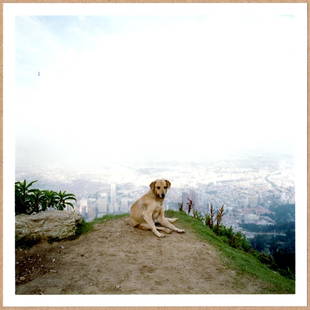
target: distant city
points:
(247, 186)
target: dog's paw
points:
(160, 235)
(181, 231)
(168, 231)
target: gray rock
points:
(52, 224)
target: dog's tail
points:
(172, 220)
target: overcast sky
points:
(188, 86)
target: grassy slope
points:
(239, 260)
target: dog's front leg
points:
(164, 222)
(150, 222)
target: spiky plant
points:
(210, 222)
(219, 216)
(22, 197)
(63, 200)
(190, 205)
(50, 199)
(37, 199)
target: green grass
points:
(241, 261)
(86, 227)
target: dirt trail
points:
(118, 259)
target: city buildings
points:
(248, 189)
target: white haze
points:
(97, 89)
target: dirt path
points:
(119, 259)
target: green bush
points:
(32, 200)
(198, 215)
(234, 239)
(281, 261)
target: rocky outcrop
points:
(47, 225)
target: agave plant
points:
(29, 200)
(22, 197)
(63, 198)
(50, 199)
(37, 199)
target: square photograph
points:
(158, 149)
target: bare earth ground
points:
(116, 258)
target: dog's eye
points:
(158, 187)
(165, 187)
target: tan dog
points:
(149, 209)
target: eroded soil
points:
(116, 258)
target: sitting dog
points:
(149, 209)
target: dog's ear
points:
(152, 186)
(168, 183)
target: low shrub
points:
(30, 200)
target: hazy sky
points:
(188, 86)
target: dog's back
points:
(139, 207)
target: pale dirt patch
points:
(119, 259)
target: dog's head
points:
(160, 188)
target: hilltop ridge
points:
(115, 258)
